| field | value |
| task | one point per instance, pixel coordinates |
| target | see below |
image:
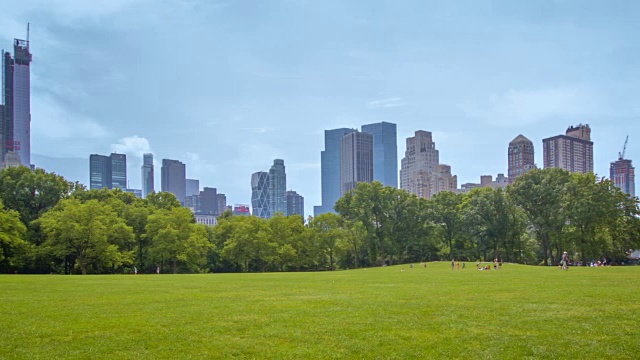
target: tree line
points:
(51, 225)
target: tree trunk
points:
(175, 266)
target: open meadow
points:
(390, 312)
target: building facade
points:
(260, 194)
(385, 152)
(99, 172)
(136, 192)
(147, 175)
(295, 204)
(118, 171)
(192, 187)
(330, 170)
(622, 173)
(173, 179)
(206, 219)
(277, 188)
(15, 121)
(241, 210)
(521, 157)
(356, 160)
(443, 180)
(221, 200)
(209, 201)
(419, 164)
(572, 151)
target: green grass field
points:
(517, 312)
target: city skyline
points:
(533, 69)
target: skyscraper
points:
(221, 200)
(572, 152)
(15, 121)
(356, 160)
(147, 175)
(295, 204)
(99, 172)
(277, 188)
(192, 187)
(419, 164)
(260, 194)
(622, 173)
(520, 157)
(385, 152)
(330, 170)
(173, 178)
(209, 201)
(118, 171)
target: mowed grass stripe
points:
(391, 312)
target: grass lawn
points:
(434, 312)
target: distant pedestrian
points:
(158, 270)
(453, 264)
(464, 265)
(135, 270)
(565, 261)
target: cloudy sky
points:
(227, 86)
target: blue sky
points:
(227, 86)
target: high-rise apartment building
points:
(385, 152)
(572, 152)
(622, 173)
(192, 187)
(147, 175)
(15, 112)
(221, 200)
(277, 188)
(209, 201)
(443, 180)
(119, 171)
(99, 172)
(173, 179)
(520, 157)
(356, 160)
(260, 194)
(419, 164)
(295, 204)
(330, 170)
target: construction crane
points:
(624, 149)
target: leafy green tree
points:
(12, 243)
(175, 238)
(327, 234)
(540, 194)
(89, 234)
(246, 241)
(446, 214)
(287, 233)
(162, 200)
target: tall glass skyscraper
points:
(15, 117)
(99, 172)
(260, 194)
(119, 171)
(295, 204)
(277, 188)
(147, 175)
(173, 179)
(385, 152)
(330, 170)
(356, 160)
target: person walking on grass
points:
(565, 261)
(453, 264)
(135, 270)
(158, 270)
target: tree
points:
(162, 200)
(12, 242)
(176, 238)
(246, 241)
(89, 234)
(327, 231)
(446, 214)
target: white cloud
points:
(524, 107)
(386, 103)
(132, 145)
(52, 121)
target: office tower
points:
(356, 160)
(118, 171)
(520, 157)
(419, 164)
(622, 173)
(260, 194)
(277, 188)
(221, 200)
(15, 120)
(173, 179)
(330, 170)
(193, 203)
(295, 204)
(385, 152)
(136, 192)
(147, 175)
(209, 201)
(572, 152)
(192, 187)
(99, 172)
(443, 180)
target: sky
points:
(227, 86)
